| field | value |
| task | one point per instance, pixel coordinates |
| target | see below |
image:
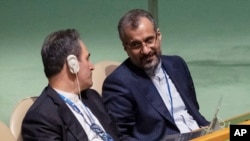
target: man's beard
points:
(151, 66)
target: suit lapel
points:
(70, 121)
(147, 88)
(177, 80)
(97, 109)
(72, 124)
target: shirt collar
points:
(71, 96)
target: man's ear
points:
(158, 34)
(124, 47)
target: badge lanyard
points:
(169, 92)
(93, 126)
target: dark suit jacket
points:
(132, 99)
(50, 119)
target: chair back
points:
(101, 71)
(18, 114)
(5, 133)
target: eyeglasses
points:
(149, 42)
(97, 129)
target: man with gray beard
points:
(150, 95)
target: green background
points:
(213, 36)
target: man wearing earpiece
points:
(67, 110)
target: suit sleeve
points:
(120, 106)
(37, 127)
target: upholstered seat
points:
(17, 116)
(5, 133)
(101, 71)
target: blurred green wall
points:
(213, 36)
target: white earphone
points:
(73, 64)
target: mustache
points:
(148, 55)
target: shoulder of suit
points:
(90, 92)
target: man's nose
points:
(145, 49)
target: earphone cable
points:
(78, 85)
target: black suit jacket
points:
(132, 99)
(50, 119)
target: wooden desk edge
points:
(219, 135)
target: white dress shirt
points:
(92, 136)
(172, 100)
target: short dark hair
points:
(132, 19)
(56, 47)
